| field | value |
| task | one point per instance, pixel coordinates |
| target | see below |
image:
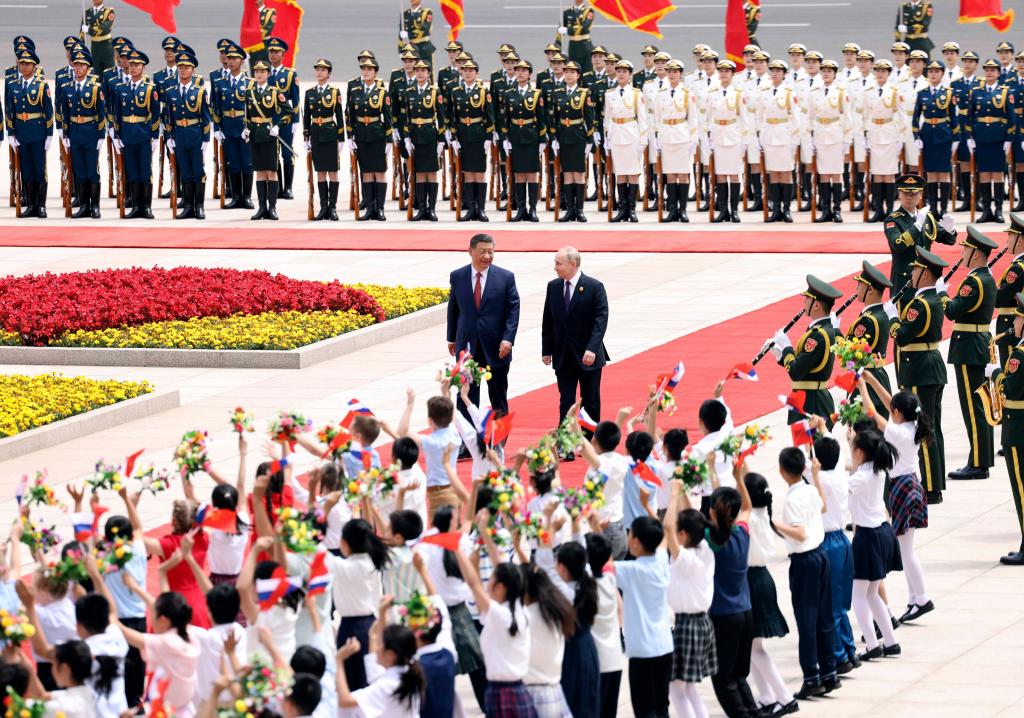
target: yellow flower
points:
(241, 706)
(6, 621)
(29, 630)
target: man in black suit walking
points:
(572, 333)
(483, 316)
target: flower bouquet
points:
(262, 689)
(465, 371)
(40, 493)
(666, 401)
(731, 445)
(16, 627)
(508, 491)
(241, 421)
(592, 490)
(849, 411)
(286, 427)
(691, 471)
(113, 555)
(298, 530)
(39, 538)
(568, 436)
(355, 490)
(541, 458)
(326, 436)
(498, 533)
(154, 480)
(855, 355)
(190, 456)
(532, 527)
(418, 614)
(106, 476)
(574, 501)
(385, 479)
(17, 707)
(68, 569)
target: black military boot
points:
(734, 202)
(837, 204)
(28, 198)
(518, 197)
(1019, 184)
(633, 191)
(261, 196)
(431, 201)
(788, 193)
(825, 190)
(272, 192)
(287, 174)
(671, 203)
(481, 202)
(188, 210)
(94, 204)
(945, 189)
(41, 199)
(623, 206)
(569, 203)
(147, 201)
(775, 202)
(534, 194)
(757, 203)
(1000, 195)
(721, 202)
(985, 197)
(199, 190)
(368, 201)
(234, 190)
(138, 203)
(964, 192)
(890, 197)
(420, 199)
(82, 193)
(321, 193)
(380, 193)
(247, 180)
(684, 198)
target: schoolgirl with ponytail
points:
(72, 671)
(398, 690)
(551, 621)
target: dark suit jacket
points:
(582, 328)
(497, 319)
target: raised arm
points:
(883, 396)
(403, 423)
(739, 471)
(671, 540)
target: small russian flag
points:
(794, 402)
(319, 577)
(354, 407)
(271, 590)
(82, 524)
(802, 432)
(744, 371)
(586, 422)
(278, 464)
(676, 377)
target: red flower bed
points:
(42, 307)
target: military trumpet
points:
(991, 393)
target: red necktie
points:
(476, 291)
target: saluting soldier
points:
(777, 118)
(85, 122)
(990, 132)
(267, 20)
(1009, 379)
(266, 112)
(98, 24)
(809, 364)
(645, 73)
(872, 325)
(726, 117)
(471, 122)
(1010, 285)
(963, 88)
(416, 23)
(323, 128)
(228, 112)
(29, 123)
(369, 122)
(136, 128)
(287, 82)
(971, 311)
(187, 123)
(523, 131)
(625, 136)
(915, 18)
(423, 125)
(936, 134)
(675, 115)
(572, 130)
(830, 119)
(577, 21)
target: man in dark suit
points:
(483, 316)
(572, 334)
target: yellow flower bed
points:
(27, 402)
(399, 300)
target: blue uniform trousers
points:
(138, 161)
(839, 552)
(190, 163)
(32, 157)
(811, 590)
(85, 159)
(237, 155)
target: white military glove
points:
(902, 28)
(275, 130)
(563, 30)
(991, 369)
(85, 29)
(352, 147)
(170, 144)
(588, 150)
(494, 136)
(507, 146)
(245, 135)
(487, 147)
(554, 147)
(1006, 147)
(219, 135)
(14, 142)
(919, 144)
(947, 223)
(118, 145)
(408, 145)
(956, 143)
(110, 132)
(899, 148)
(890, 309)
(99, 144)
(597, 138)
(542, 146)
(643, 141)
(448, 135)
(781, 340)
(153, 144)
(440, 148)
(46, 145)
(940, 285)
(203, 147)
(922, 215)
(403, 35)
(657, 144)
(776, 351)
(309, 145)
(607, 145)
(456, 145)
(836, 321)
(66, 142)
(395, 137)
(971, 144)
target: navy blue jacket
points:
(496, 321)
(579, 330)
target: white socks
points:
(916, 594)
(685, 699)
(770, 686)
(867, 604)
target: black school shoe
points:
(916, 611)
(832, 683)
(872, 654)
(778, 709)
(810, 689)
(845, 667)
(933, 497)
(893, 650)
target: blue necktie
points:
(567, 296)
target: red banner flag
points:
(286, 26)
(990, 11)
(453, 13)
(642, 15)
(736, 37)
(160, 11)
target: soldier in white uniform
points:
(651, 89)
(797, 74)
(705, 82)
(625, 131)
(913, 83)
(777, 121)
(812, 65)
(900, 54)
(675, 117)
(751, 93)
(951, 58)
(857, 89)
(830, 119)
(748, 64)
(883, 123)
(698, 74)
(848, 72)
(726, 114)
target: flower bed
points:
(28, 402)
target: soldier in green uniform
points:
(576, 23)
(809, 363)
(267, 110)
(423, 125)
(920, 369)
(1009, 380)
(367, 55)
(598, 83)
(369, 123)
(571, 127)
(523, 130)
(1010, 285)
(323, 128)
(402, 78)
(873, 324)
(450, 74)
(416, 23)
(752, 13)
(268, 19)
(548, 82)
(646, 73)
(912, 24)
(543, 78)
(98, 24)
(971, 310)
(502, 80)
(471, 124)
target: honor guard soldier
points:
(136, 130)
(471, 120)
(358, 79)
(777, 117)
(11, 74)
(222, 72)
(625, 136)
(1010, 285)
(809, 363)
(187, 124)
(30, 130)
(752, 15)
(423, 125)
(675, 115)
(98, 24)
(598, 83)
(267, 21)
(1017, 171)
(170, 71)
(228, 113)
(908, 228)
(651, 91)
(63, 78)
(884, 131)
(416, 23)
(936, 133)
(451, 74)
(502, 79)
(990, 133)
(397, 87)
(920, 369)
(369, 124)
(577, 20)
(912, 25)
(548, 82)
(909, 87)
(830, 121)
(646, 73)
(523, 131)
(323, 128)
(572, 130)
(858, 89)
(85, 123)
(1008, 380)
(726, 117)
(504, 68)
(951, 63)
(1004, 51)
(964, 88)
(971, 311)
(545, 77)
(285, 79)
(872, 326)
(266, 112)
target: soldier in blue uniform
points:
(936, 134)
(1004, 51)
(136, 127)
(170, 71)
(266, 108)
(286, 80)
(187, 122)
(1017, 90)
(227, 106)
(963, 87)
(11, 74)
(990, 132)
(85, 127)
(29, 110)
(221, 72)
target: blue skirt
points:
(875, 553)
(989, 157)
(508, 700)
(938, 157)
(581, 674)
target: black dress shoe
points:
(933, 497)
(871, 655)
(837, 217)
(810, 689)
(916, 611)
(791, 707)
(844, 667)
(999, 452)
(831, 683)
(854, 661)
(1015, 558)
(893, 650)
(969, 473)
(734, 216)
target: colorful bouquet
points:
(153, 480)
(16, 627)
(508, 492)
(384, 478)
(855, 354)
(592, 489)
(190, 456)
(38, 538)
(466, 370)
(418, 614)
(106, 476)
(532, 527)
(326, 436)
(113, 555)
(298, 530)
(691, 471)
(568, 436)
(69, 569)
(286, 427)
(355, 490)
(40, 493)
(731, 445)
(241, 420)
(263, 689)
(666, 401)
(757, 434)
(17, 707)
(541, 458)
(498, 533)
(574, 501)
(849, 411)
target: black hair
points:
(555, 609)
(865, 422)
(480, 239)
(305, 693)
(176, 609)
(909, 406)
(675, 441)
(827, 450)
(713, 414)
(877, 450)
(406, 452)
(542, 481)
(573, 557)
(760, 495)
(293, 599)
(359, 536)
(223, 603)
(92, 611)
(402, 642)
(648, 531)
(599, 552)
(225, 496)
(122, 525)
(15, 677)
(692, 523)
(310, 660)
(792, 461)
(276, 485)
(78, 658)
(608, 435)
(511, 578)
(330, 478)
(406, 523)
(484, 497)
(725, 504)
(442, 521)
(639, 445)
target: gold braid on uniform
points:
(428, 102)
(577, 103)
(199, 101)
(91, 103)
(1000, 100)
(370, 102)
(531, 105)
(145, 103)
(947, 96)
(480, 96)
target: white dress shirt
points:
(473, 273)
(802, 507)
(691, 582)
(867, 507)
(836, 485)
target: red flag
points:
(642, 15)
(802, 433)
(342, 437)
(795, 401)
(499, 429)
(453, 13)
(645, 472)
(990, 11)
(736, 37)
(129, 464)
(160, 11)
(217, 519)
(287, 26)
(847, 381)
(449, 540)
